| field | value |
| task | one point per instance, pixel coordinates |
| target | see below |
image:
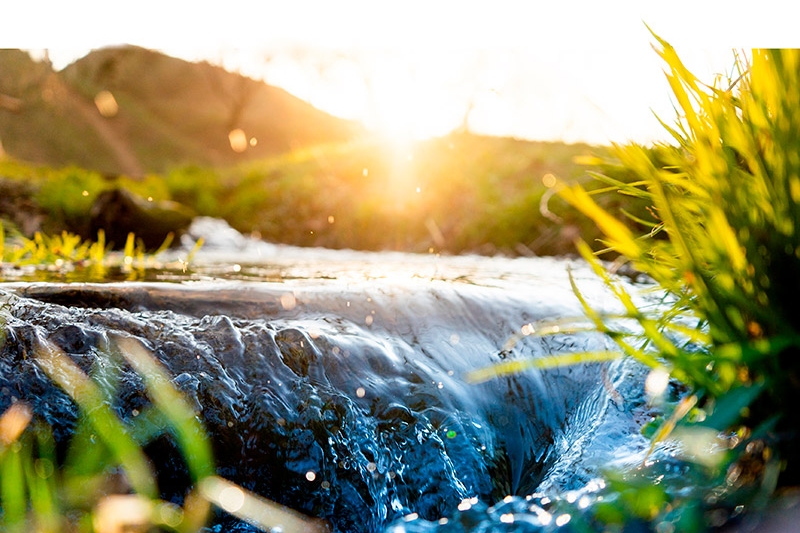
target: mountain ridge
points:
(130, 110)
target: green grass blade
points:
(507, 368)
(183, 421)
(109, 428)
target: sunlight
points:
(398, 96)
(405, 106)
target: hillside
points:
(163, 112)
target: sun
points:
(400, 97)
(403, 108)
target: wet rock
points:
(119, 212)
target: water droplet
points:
(325, 485)
(545, 518)
(231, 499)
(44, 468)
(454, 339)
(238, 140)
(170, 514)
(507, 518)
(106, 104)
(563, 519)
(237, 268)
(665, 527)
(331, 219)
(360, 392)
(311, 475)
(656, 383)
(288, 301)
(368, 320)
(372, 466)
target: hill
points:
(128, 110)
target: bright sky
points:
(536, 69)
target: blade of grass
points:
(91, 400)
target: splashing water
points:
(332, 382)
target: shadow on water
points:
(334, 382)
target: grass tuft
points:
(725, 244)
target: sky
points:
(543, 70)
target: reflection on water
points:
(333, 381)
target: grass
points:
(724, 242)
(713, 218)
(460, 193)
(105, 483)
(716, 224)
(68, 257)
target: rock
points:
(119, 212)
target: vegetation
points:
(724, 241)
(718, 221)
(459, 193)
(67, 257)
(103, 482)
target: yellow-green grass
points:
(725, 243)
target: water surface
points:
(333, 382)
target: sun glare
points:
(405, 106)
(399, 97)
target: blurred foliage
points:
(100, 479)
(455, 194)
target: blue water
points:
(333, 382)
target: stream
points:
(333, 382)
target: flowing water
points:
(333, 382)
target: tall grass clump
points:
(725, 244)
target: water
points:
(333, 382)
